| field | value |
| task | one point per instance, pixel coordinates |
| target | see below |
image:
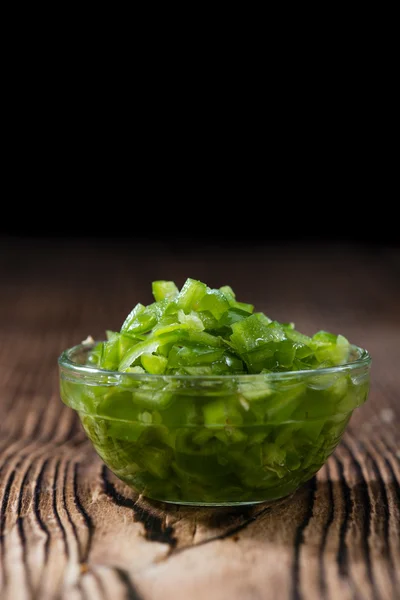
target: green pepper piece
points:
(146, 347)
(228, 293)
(95, 356)
(156, 460)
(330, 348)
(110, 355)
(154, 364)
(254, 332)
(152, 399)
(137, 310)
(80, 397)
(234, 364)
(222, 411)
(231, 435)
(215, 302)
(273, 458)
(140, 320)
(164, 290)
(193, 355)
(281, 405)
(165, 329)
(191, 320)
(190, 295)
(207, 339)
(295, 335)
(117, 404)
(126, 430)
(232, 315)
(210, 323)
(231, 297)
(202, 436)
(285, 353)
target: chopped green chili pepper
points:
(198, 436)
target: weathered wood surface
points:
(69, 529)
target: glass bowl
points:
(214, 440)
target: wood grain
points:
(70, 530)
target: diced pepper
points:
(164, 290)
(190, 295)
(177, 424)
(215, 302)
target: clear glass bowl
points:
(223, 440)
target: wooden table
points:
(69, 529)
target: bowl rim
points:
(65, 362)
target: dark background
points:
(311, 162)
(324, 178)
(367, 226)
(327, 184)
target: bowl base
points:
(216, 504)
(238, 503)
